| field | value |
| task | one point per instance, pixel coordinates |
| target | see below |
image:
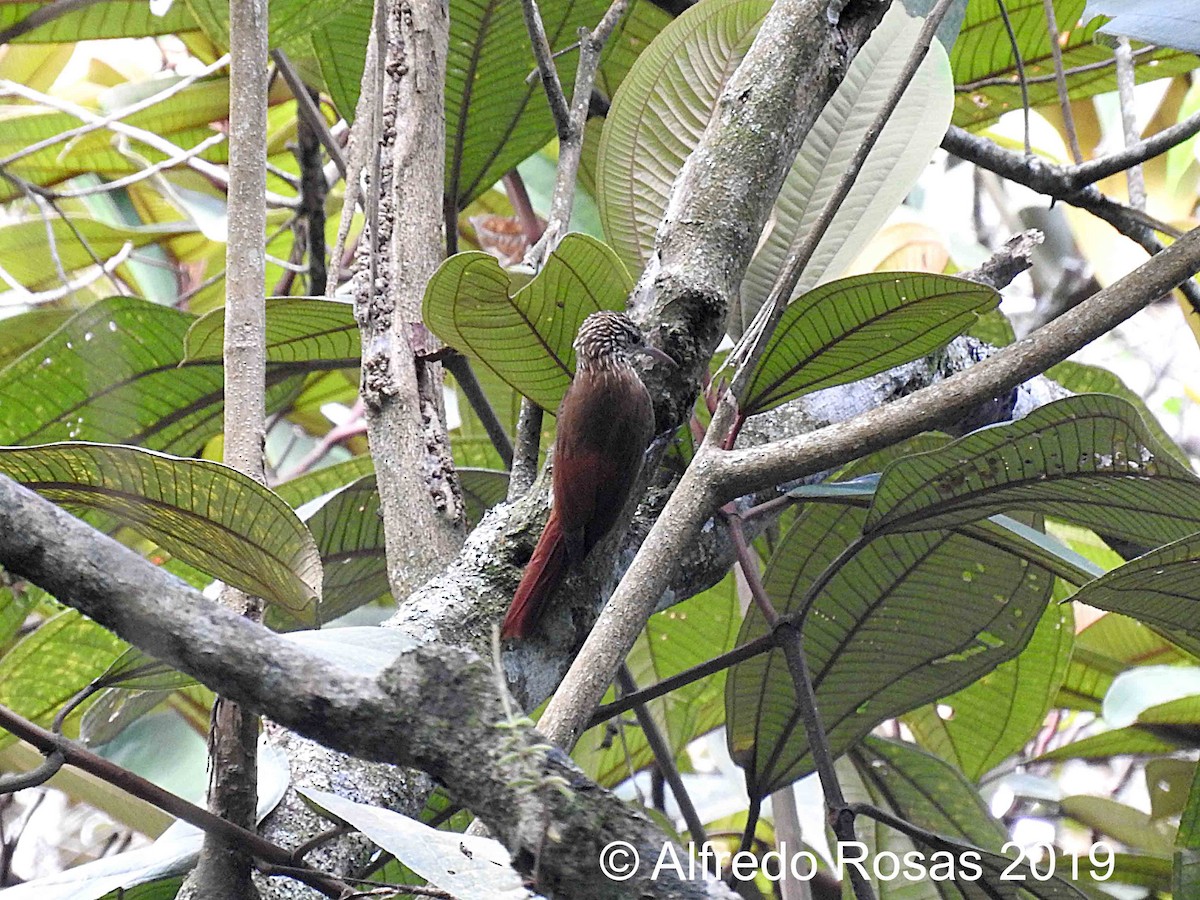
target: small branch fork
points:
(570, 122)
(60, 750)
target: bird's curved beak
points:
(655, 353)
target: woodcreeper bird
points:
(605, 423)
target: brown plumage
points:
(605, 423)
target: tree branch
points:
(709, 232)
(1064, 183)
(437, 708)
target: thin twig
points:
(307, 110)
(1125, 84)
(840, 816)
(460, 367)
(149, 138)
(525, 450)
(751, 346)
(570, 139)
(136, 786)
(1060, 78)
(1135, 152)
(82, 281)
(546, 67)
(1020, 63)
(1009, 80)
(40, 196)
(183, 156)
(518, 196)
(1058, 182)
(665, 759)
(124, 112)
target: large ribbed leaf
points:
(340, 48)
(1080, 378)
(659, 113)
(1159, 588)
(24, 330)
(640, 25)
(93, 21)
(206, 514)
(289, 19)
(482, 489)
(316, 332)
(525, 336)
(902, 153)
(50, 665)
(495, 116)
(856, 327)
(26, 254)
(978, 727)
(983, 54)
(1105, 649)
(934, 796)
(298, 491)
(348, 529)
(906, 620)
(184, 119)
(667, 99)
(115, 373)
(1087, 459)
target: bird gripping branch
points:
(605, 423)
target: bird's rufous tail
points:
(542, 575)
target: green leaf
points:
(1079, 378)
(495, 115)
(289, 19)
(1087, 459)
(27, 254)
(1106, 648)
(1159, 588)
(1188, 835)
(137, 670)
(859, 326)
(905, 620)
(900, 156)
(15, 606)
(659, 113)
(312, 331)
(1128, 825)
(206, 514)
(115, 373)
(482, 489)
(983, 54)
(348, 530)
(1132, 741)
(668, 97)
(1167, 783)
(20, 332)
(932, 795)
(640, 25)
(340, 46)
(979, 726)
(676, 639)
(112, 19)
(51, 664)
(185, 119)
(318, 483)
(525, 336)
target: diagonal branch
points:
(437, 708)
